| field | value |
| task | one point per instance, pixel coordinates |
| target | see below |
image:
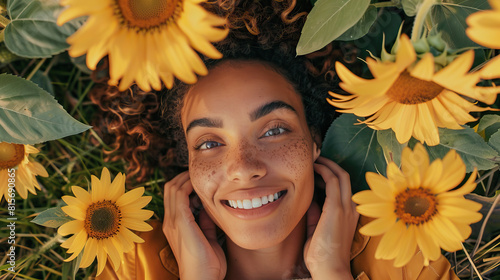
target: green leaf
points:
(42, 80)
(81, 63)
(33, 31)
(494, 142)
(327, 20)
(355, 148)
(362, 27)
(411, 6)
(390, 145)
(489, 124)
(6, 56)
(30, 115)
(448, 19)
(52, 217)
(471, 147)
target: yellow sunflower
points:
(103, 220)
(415, 208)
(484, 29)
(147, 41)
(410, 98)
(19, 168)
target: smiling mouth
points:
(255, 202)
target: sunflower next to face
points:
(484, 29)
(16, 156)
(410, 98)
(147, 41)
(103, 221)
(415, 209)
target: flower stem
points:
(36, 69)
(418, 25)
(384, 4)
(4, 21)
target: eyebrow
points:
(256, 114)
(270, 107)
(204, 122)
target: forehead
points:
(236, 87)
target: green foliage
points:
(469, 145)
(30, 115)
(33, 31)
(362, 27)
(42, 80)
(411, 6)
(327, 21)
(355, 148)
(390, 145)
(448, 19)
(488, 125)
(52, 217)
(494, 142)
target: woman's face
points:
(251, 152)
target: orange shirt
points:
(153, 260)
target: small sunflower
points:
(484, 29)
(415, 209)
(410, 98)
(16, 156)
(103, 220)
(147, 41)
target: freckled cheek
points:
(203, 174)
(294, 157)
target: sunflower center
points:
(415, 206)
(103, 219)
(410, 90)
(146, 14)
(11, 155)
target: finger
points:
(343, 177)
(313, 215)
(176, 199)
(207, 226)
(332, 189)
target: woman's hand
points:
(195, 247)
(330, 232)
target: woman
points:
(252, 130)
(250, 134)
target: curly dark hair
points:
(144, 128)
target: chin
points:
(262, 236)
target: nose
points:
(245, 163)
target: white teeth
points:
(254, 202)
(264, 200)
(247, 204)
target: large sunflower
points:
(415, 209)
(103, 220)
(484, 29)
(410, 98)
(147, 41)
(23, 177)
